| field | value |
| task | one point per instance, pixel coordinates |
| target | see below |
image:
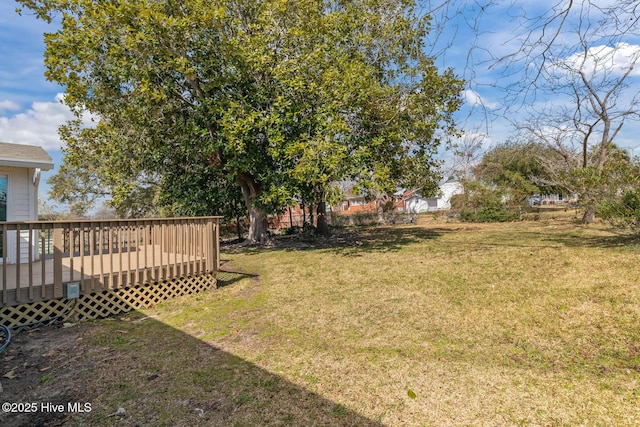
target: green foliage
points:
(201, 191)
(490, 214)
(357, 219)
(605, 184)
(619, 198)
(623, 211)
(296, 229)
(281, 97)
(477, 195)
(519, 170)
(480, 203)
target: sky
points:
(31, 109)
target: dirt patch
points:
(28, 366)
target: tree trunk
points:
(290, 218)
(236, 207)
(257, 216)
(381, 219)
(590, 214)
(238, 229)
(381, 201)
(304, 214)
(322, 227)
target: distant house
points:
(354, 203)
(415, 203)
(404, 200)
(20, 167)
(551, 199)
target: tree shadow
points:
(158, 375)
(349, 242)
(616, 239)
(383, 239)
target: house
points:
(415, 203)
(404, 200)
(20, 167)
(354, 203)
(551, 199)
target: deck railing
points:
(39, 258)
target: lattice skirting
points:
(105, 303)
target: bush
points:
(356, 219)
(624, 211)
(490, 214)
(307, 229)
(293, 230)
(480, 203)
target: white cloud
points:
(36, 126)
(8, 105)
(473, 98)
(606, 59)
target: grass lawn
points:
(434, 324)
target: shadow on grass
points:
(387, 239)
(349, 242)
(615, 238)
(227, 276)
(159, 375)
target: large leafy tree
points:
(520, 169)
(279, 96)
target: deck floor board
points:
(106, 271)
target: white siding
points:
(20, 195)
(448, 190)
(21, 206)
(417, 203)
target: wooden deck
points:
(102, 255)
(97, 272)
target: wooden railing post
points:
(18, 261)
(3, 245)
(216, 236)
(213, 244)
(58, 249)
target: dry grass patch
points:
(526, 323)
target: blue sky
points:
(31, 111)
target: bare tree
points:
(597, 96)
(569, 67)
(467, 152)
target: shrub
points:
(480, 203)
(358, 219)
(623, 211)
(489, 214)
(293, 230)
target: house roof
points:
(24, 156)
